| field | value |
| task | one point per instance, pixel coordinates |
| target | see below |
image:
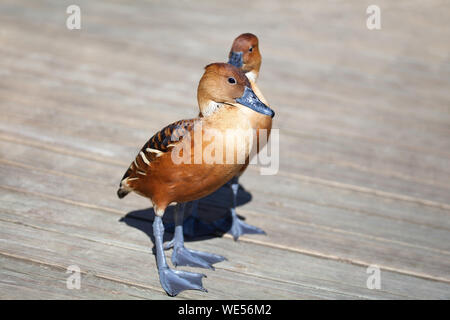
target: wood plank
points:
(132, 267)
(300, 236)
(423, 175)
(364, 118)
(37, 62)
(328, 275)
(48, 131)
(24, 279)
(305, 198)
(327, 41)
(350, 176)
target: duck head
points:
(223, 83)
(245, 54)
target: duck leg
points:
(173, 281)
(238, 226)
(187, 257)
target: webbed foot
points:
(194, 258)
(176, 281)
(239, 227)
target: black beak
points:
(250, 100)
(236, 59)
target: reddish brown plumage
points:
(248, 44)
(251, 65)
(154, 174)
(160, 141)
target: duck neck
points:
(252, 75)
(208, 106)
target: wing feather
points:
(159, 144)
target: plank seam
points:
(319, 288)
(308, 179)
(86, 273)
(262, 243)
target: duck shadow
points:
(212, 208)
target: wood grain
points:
(364, 119)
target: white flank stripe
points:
(158, 152)
(144, 158)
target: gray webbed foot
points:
(194, 258)
(239, 227)
(186, 257)
(176, 281)
(172, 281)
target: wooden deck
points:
(364, 120)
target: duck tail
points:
(124, 189)
(121, 192)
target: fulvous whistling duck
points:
(245, 55)
(227, 103)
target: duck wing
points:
(159, 144)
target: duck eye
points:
(231, 80)
(250, 50)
